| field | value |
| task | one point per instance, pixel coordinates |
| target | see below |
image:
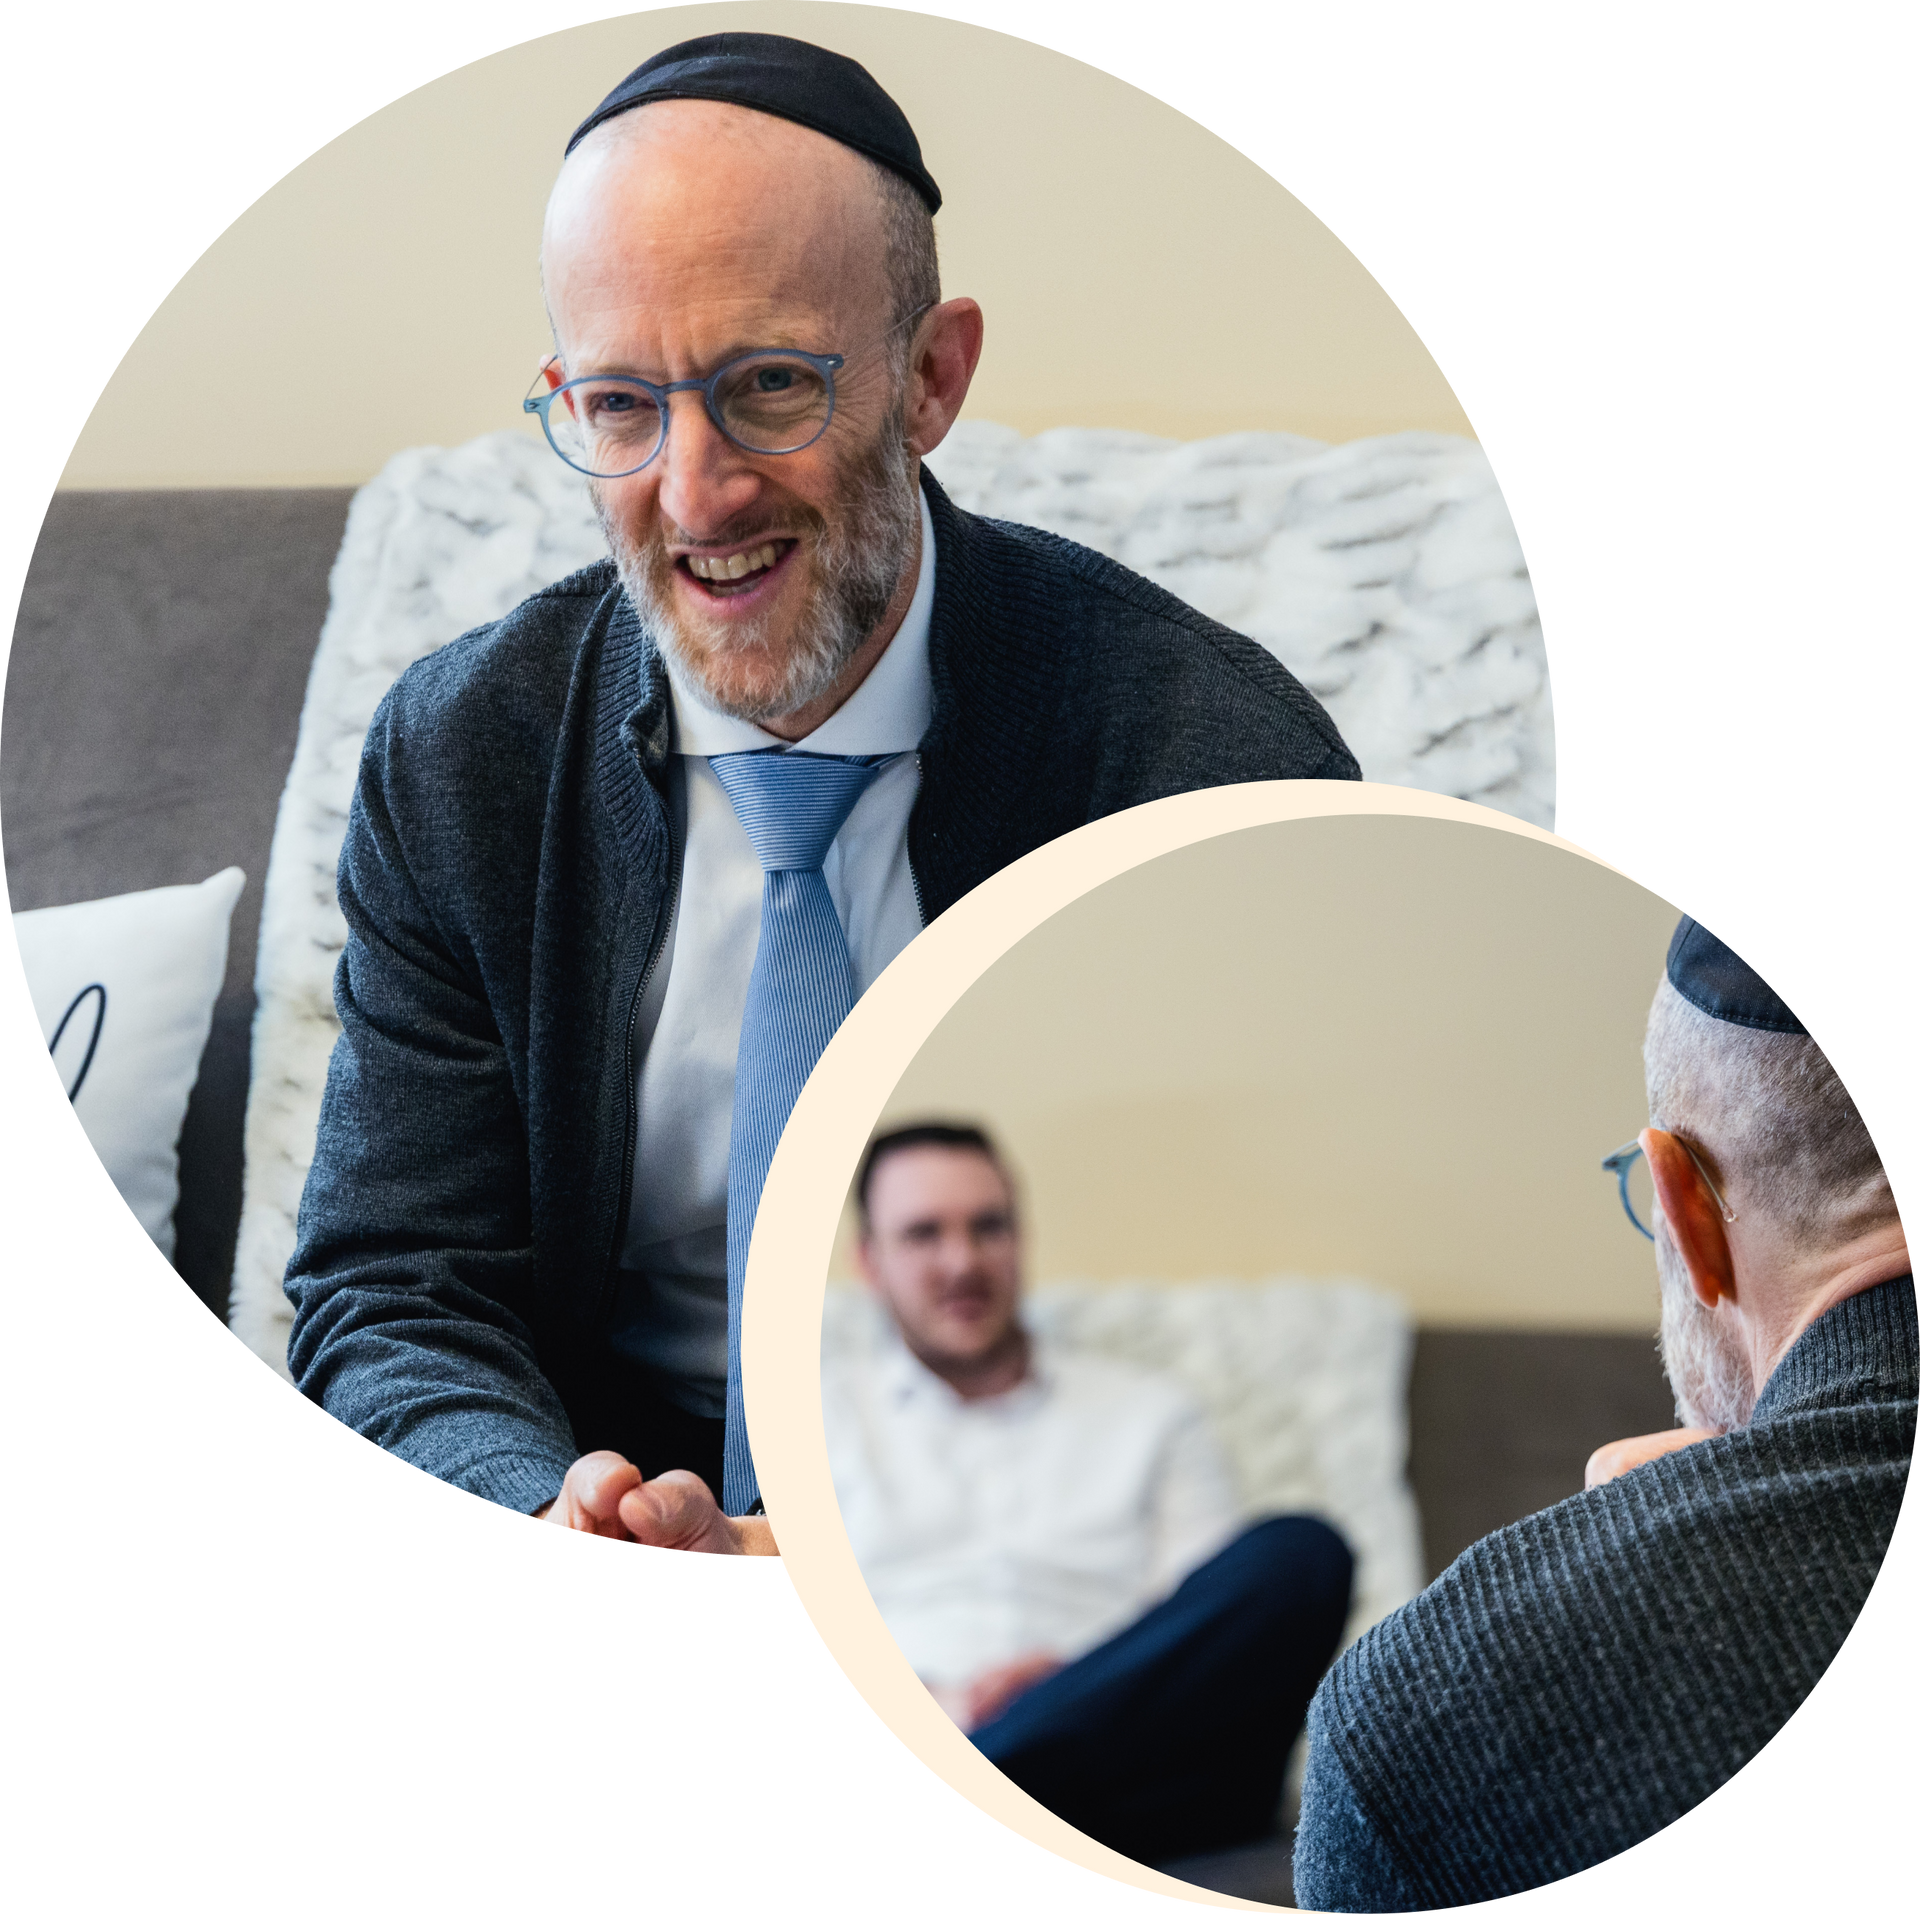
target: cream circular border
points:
(806, 1190)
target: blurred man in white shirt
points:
(1056, 1541)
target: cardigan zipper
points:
(919, 902)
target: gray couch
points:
(152, 699)
(150, 712)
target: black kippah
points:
(788, 78)
(1712, 978)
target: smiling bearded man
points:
(772, 591)
(738, 659)
(618, 864)
(742, 666)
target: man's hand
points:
(1616, 1458)
(999, 1688)
(605, 1495)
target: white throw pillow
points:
(159, 957)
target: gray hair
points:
(1770, 1117)
(913, 256)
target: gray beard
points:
(857, 556)
(1708, 1369)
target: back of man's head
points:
(1769, 1115)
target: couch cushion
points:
(124, 989)
(153, 692)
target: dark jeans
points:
(1172, 1737)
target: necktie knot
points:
(791, 804)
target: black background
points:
(248, 1619)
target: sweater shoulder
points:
(1093, 589)
(1123, 644)
(1587, 1572)
(1580, 1678)
(496, 696)
(518, 660)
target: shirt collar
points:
(905, 1378)
(889, 711)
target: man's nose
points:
(705, 479)
(957, 1254)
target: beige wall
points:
(1135, 271)
(1387, 1048)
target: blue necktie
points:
(791, 807)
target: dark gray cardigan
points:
(505, 879)
(1577, 1681)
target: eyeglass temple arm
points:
(531, 403)
(1621, 1161)
(1726, 1214)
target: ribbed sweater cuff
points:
(514, 1480)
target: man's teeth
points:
(718, 571)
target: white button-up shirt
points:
(688, 1032)
(1042, 1520)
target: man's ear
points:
(1693, 1216)
(553, 371)
(863, 1257)
(946, 351)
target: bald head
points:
(708, 221)
(687, 237)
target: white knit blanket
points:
(1305, 1383)
(1384, 573)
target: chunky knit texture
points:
(505, 881)
(1576, 1681)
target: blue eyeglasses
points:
(1636, 1193)
(611, 425)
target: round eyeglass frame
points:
(826, 364)
(1621, 1163)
